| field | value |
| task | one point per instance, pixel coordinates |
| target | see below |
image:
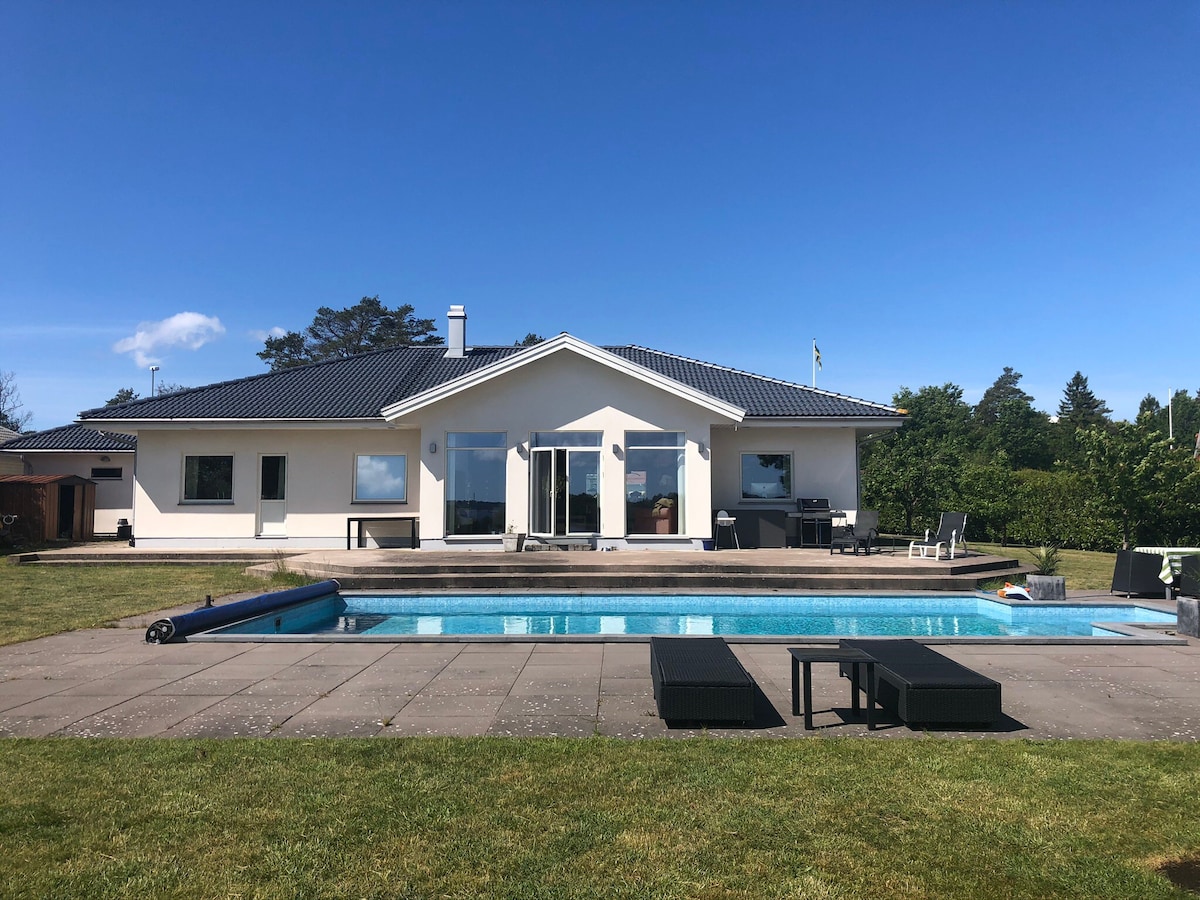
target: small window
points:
(111, 474)
(380, 478)
(208, 479)
(766, 476)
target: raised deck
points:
(621, 570)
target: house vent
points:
(456, 333)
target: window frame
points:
(120, 476)
(355, 499)
(184, 499)
(460, 442)
(786, 496)
(636, 441)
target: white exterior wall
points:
(114, 497)
(319, 486)
(565, 392)
(824, 464)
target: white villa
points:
(451, 446)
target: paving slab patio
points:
(108, 682)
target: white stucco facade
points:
(319, 484)
(560, 441)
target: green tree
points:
(1078, 410)
(529, 340)
(124, 395)
(911, 475)
(1151, 491)
(368, 325)
(1180, 416)
(1023, 433)
(11, 416)
(1079, 407)
(1003, 390)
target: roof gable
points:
(562, 343)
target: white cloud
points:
(185, 329)
(263, 335)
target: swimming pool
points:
(378, 616)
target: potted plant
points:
(514, 541)
(1045, 584)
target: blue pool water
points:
(938, 615)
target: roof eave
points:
(824, 421)
(134, 425)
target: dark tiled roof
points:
(757, 394)
(358, 387)
(73, 437)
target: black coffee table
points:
(858, 659)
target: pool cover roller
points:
(177, 627)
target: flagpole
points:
(814, 362)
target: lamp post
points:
(153, 369)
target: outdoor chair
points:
(920, 685)
(1137, 573)
(949, 535)
(856, 534)
(699, 680)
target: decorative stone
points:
(1046, 587)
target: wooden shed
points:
(49, 507)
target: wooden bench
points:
(700, 680)
(922, 686)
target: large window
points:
(475, 482)
(208, 479)
(380, 478)
(654, 481)
(766, 476)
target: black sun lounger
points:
(700, 680)
(922, 686)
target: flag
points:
(817, 355)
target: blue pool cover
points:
(178, 627)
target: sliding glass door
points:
(564, 476)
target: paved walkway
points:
(108, 682)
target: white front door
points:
(272, 496)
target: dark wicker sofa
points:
(922, 686)
(699, 680)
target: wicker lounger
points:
(922, 686)
(700, 680)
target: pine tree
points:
(335, 333)
(1004, 389)
(1080, 408)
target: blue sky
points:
(931, 190)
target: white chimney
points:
(456, 333)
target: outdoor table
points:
(809, 655)
(1172, 559)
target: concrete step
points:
(681, 582)
(983, 568)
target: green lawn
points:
(561, 818)
(1085, 570)
(37, 600)
(543, 818)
